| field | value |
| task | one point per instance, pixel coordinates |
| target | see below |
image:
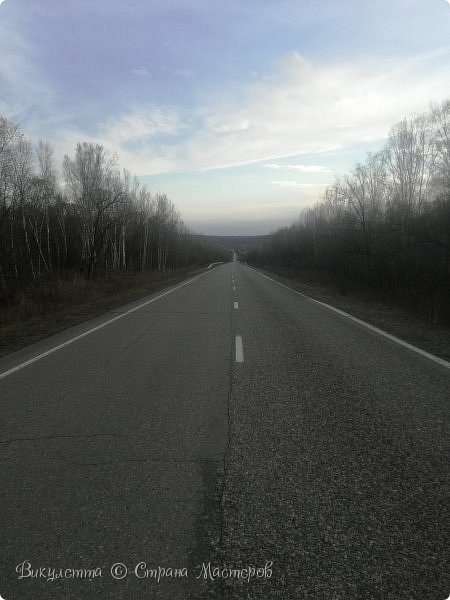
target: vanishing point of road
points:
(226, 438)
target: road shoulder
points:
(400, 323)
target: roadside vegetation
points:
(383, 230)
(83, 234)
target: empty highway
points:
(226, 438)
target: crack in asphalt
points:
(228, 444)
(56, 437)
(221, 584)
(141, 460)
(177, 312)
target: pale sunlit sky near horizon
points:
(243, 111)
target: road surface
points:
(228, 438)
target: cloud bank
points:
(297, 108)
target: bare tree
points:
(9, 137)
(363, 193)
(42, 196)
(410, 159)
(440, 119)
(98, 191)
(23, 171)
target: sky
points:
(242, 111)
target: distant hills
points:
(239, 243)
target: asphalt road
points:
(228, 422)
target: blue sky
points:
(241, 111)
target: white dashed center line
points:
(239, 349)
(236, 305)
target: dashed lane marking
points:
(239, 349)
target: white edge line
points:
(393, 338)
(239, 349)
(86, 333)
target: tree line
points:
(90, 217)
(386, 224)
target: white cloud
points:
(304, 108)
(297, 184)
(132, 137)
(299, 108)
(24, 88)
(220, 124)
(141, 125)
(301, 168)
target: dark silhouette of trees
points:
(91, 219)
(384, 226)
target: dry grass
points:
(55, 304)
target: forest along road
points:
(228, 422)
